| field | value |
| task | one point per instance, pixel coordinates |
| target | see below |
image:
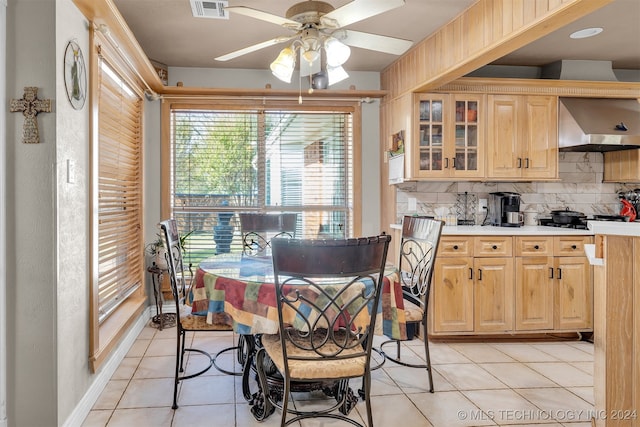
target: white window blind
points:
(229, 161)
(119, 191)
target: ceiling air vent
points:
(209, 9)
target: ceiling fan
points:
(317, 25)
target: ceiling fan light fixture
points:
(337, 52)
(284, 64)
(311, 55)
(336, 74)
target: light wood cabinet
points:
(553, 284)
(522, 137)
(622, 166)
(447, 137)
(506, 284)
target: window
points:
(117, 246)
(287, 159)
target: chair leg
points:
(367, 397)
(179, 355)
(426, 354)
(182, 342)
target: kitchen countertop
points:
(614, 228)
(479, 230)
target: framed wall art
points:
(75, 75)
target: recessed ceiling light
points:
(587, 32)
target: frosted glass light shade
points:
(337, 52)
(336, 74)
(284, 64)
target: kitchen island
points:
(617, 323)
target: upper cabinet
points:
(447, 139)
(522, 137)
(622, 166)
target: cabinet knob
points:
(455, 247)
(574, 247)
(494, 247)
(536, 247)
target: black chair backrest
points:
(259, 228)
(175, 264)
(418, 250)
(328, 287)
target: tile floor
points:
(477, 384)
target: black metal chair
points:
(258, 229)
(418, 250)
(185, 321)
(324, 289)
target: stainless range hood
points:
(598, 124)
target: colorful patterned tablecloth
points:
(240, 291)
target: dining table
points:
(238, 289)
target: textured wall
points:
(580, 189)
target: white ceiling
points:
(169, 34)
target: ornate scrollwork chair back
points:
(259, 228)
(418, 250)
(325, 292)
(186, 322)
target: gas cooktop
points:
(581, 223)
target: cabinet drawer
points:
(455, 246)
(534, 246)
(493, 246)
(570, 245)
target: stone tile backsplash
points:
(580, 189)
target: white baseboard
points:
(81, 410)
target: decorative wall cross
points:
(30, 106)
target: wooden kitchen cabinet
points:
(448, 137)
(553, 284)
(489, 284)
(522, 137)
(622, 166)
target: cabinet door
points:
(452, 297)
(540, 141)
(503, 137)
(622, 166)
(573, 293)
(493, 294)
(466, 150)
(534, 293)
(429, 155)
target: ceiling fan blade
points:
(253, 48)
(265, 16)
(375, 42)
(358, 10)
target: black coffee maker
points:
(504, 209)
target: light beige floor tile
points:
(415, 380)
(517, 375)
(244, 418)
(156, 367)
(481, 353)
(205, 415)
(502, 406)
(584, 366)
(397, 410)
(97, 418)
(138, 348)
(207, 390)
(147, 333)
(585, 393)
(142, 417)
(408, 354)
(227, 361)
(565, 352)
(524, 352)
(587, 347)
(126, 369)
(563, 374)
(166, 333)
(443, 353)
(445, 409)
(147, 393)
(162, 347)
(381, 383)
(111, 394)
(321, 403)
(557, 405)
(469, 376)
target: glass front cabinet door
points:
(449, 136)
